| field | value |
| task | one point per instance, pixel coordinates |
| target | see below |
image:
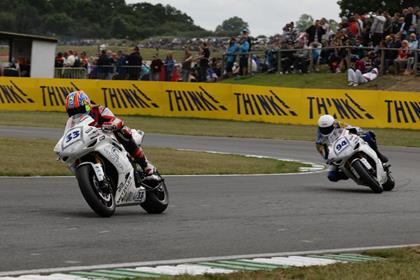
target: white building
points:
(38, 51)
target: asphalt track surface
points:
(45, 223)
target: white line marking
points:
(196, 260)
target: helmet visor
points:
(326, 130)
(75, 111)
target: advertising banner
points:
(367, 108)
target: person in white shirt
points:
(356, 78)
(71, 59)
(377, 29)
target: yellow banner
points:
(367, 108)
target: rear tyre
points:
(100, 199)
(366, 177)
(157, 199)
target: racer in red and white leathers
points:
(78, 102)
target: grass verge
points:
(203, 127)
(328, 81)
(399, 264)
(35, 157)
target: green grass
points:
(203, 127)
(33, 157)
(325, 80)
(399, 264)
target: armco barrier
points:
(366, 108)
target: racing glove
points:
(108, 126)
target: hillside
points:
(95, 19)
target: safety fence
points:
(219, 101)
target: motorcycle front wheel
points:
(157, 198)
(366, 177)
(100, 199)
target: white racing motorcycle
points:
(353, 156)
(107, 175)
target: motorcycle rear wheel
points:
(102, 203)
(366, 177)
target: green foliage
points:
(231, 27)
(366, 6)
(304, 22)
(94, 19)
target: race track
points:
(45, 222)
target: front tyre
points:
(157, 199)
(100, 199)
(366, 177)
(390, 183)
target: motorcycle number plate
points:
(340, 145)
(71, 137)
(140, 196)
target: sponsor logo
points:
(56, 95)
(13, 94)
(262, 104)
(343, 108)
(403, 111)
(113, 156)
(127, 98)
(123, 190)
(185, 101)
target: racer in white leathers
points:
(326, 125)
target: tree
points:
(232, 26)
(304, 22)
(349, 7)
(73, 19)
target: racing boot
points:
(382, 157)
(140, 158)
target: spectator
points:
(231, 51)
(121, 63)
(413, 44)
(356, 78)
(134, 62)
(301, 59)
(315, 33)
(243, 55)
(204, 56)
(59, 60)
(70, 59)
(377, 29)
(418, 25)
(84, 60)
(104, 66)
(392, 54)
(156, 68)
(169, 67)
(402, 58)
(186, 64)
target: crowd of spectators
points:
(361, 42)
(376, 40)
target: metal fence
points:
(108, 72)
(306, 59)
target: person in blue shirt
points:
(231, 52)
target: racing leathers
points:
(323, 141)
(106, 120)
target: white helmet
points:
(326, 124)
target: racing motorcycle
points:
(106, 173)
(353, 156)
